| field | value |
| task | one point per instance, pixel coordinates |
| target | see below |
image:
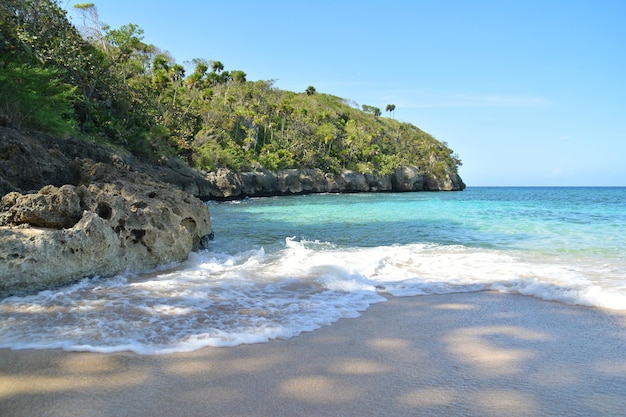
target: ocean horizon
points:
(280, 266)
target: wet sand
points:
(475, 354)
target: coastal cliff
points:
(29, 162)
(227, 184)
(72, 208)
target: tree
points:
(371, 110)
(92, 29)
(14, 35)
(390, 108)
(310, 90)
(217, 67)
(238, 76)
(193, 81)
(36, 98)
(37, 34)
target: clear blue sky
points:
(525, 92)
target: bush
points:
(274, 160)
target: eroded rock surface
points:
(62, 234)
(88, 217)
(228, 184)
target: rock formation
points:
(107, 218)
(60, 235)
(228, 184)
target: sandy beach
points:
(473, 354)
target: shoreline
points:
(470, 354)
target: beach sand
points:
(473, 354)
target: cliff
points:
(226, 184)
(30, 162)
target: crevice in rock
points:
(138, 205)
(137, 234)
(121, 225)
(104, 210)
(190, 225)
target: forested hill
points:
(108, 84)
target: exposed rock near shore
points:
(100, 229)
(104, 219)
(227, 184)
(30, 162)
(60, 235)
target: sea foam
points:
(216, 299)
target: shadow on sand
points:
(471, 354)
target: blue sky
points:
(525, 92)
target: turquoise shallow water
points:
(280, 266)
(503, 218)
(587, 223)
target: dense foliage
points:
(109, 84)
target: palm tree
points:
(217, 66)
(238, 76)
(391, 108)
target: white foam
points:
(219, 299)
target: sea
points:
(285, 265)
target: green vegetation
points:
(36, 97)
(109, 84)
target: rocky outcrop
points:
(59, 235)
(101, 216)
(30, 162)
(228, 184)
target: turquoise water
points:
(542, 219)
(281, 266)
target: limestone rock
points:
(29, 162)
(354, 182)
(228, 185)
(100, 229)
(289, 181)
(261, 183)
(446, 182)
(226, 182)
(378, 183)
(313, 181)
(407, 179)
(51, 207)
